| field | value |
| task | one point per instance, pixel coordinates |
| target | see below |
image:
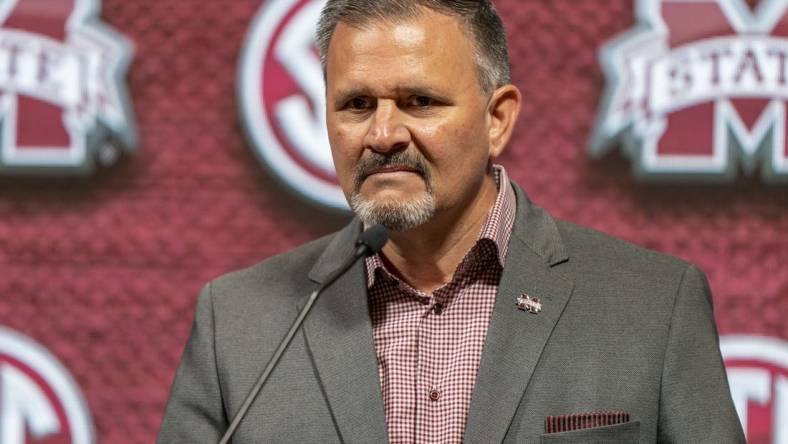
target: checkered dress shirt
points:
(429, 346)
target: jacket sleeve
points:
(195, 412)
(695, 404)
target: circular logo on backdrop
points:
(757, 369)
(39, 401)
(282, 98)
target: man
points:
(482, 316)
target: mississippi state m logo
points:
(63, 104)
(282, 99)
(698, 89)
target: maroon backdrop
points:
(104, 271)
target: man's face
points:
(406, 116)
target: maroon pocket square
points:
(580, 421)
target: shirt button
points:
(437, 308)
(435, 395)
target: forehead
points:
(432, 48)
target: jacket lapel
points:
(339, 337)
(516, 338)
(339, 332)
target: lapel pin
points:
(529, 304)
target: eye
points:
(358, 104)
(421, 101)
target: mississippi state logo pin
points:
(529, 304)
(757, 369)
(39, 401)
(698, 89)
(282, 99)
(63, 103)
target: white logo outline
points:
(638, 140)
(764, 349)
(57, 376)
(86, 134)
(257, 123)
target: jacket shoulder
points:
(590, 248)
(280, 276)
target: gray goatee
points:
(400, 215)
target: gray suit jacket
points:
(621, 328)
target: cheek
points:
(458, 154)
(454, 144)
(345, 152)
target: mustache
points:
(400, 159)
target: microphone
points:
(369, 242)
(373, 239)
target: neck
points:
(427, 256)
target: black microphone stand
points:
(369, 243)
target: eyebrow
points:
(412, 90)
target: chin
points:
(394, 214)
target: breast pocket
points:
(621, 433)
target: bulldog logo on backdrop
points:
(282, 99)
(757, 369)
(39, 401)
(63, 102)
(698, 89)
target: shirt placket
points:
(431, 395)
(430, 378)
(402, 355)
(413, 306)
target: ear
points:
(502, 112)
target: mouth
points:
(396, 170)
(393, 169)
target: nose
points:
(386, 132)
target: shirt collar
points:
(497, 227)
(500, 219)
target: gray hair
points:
(479, 17)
